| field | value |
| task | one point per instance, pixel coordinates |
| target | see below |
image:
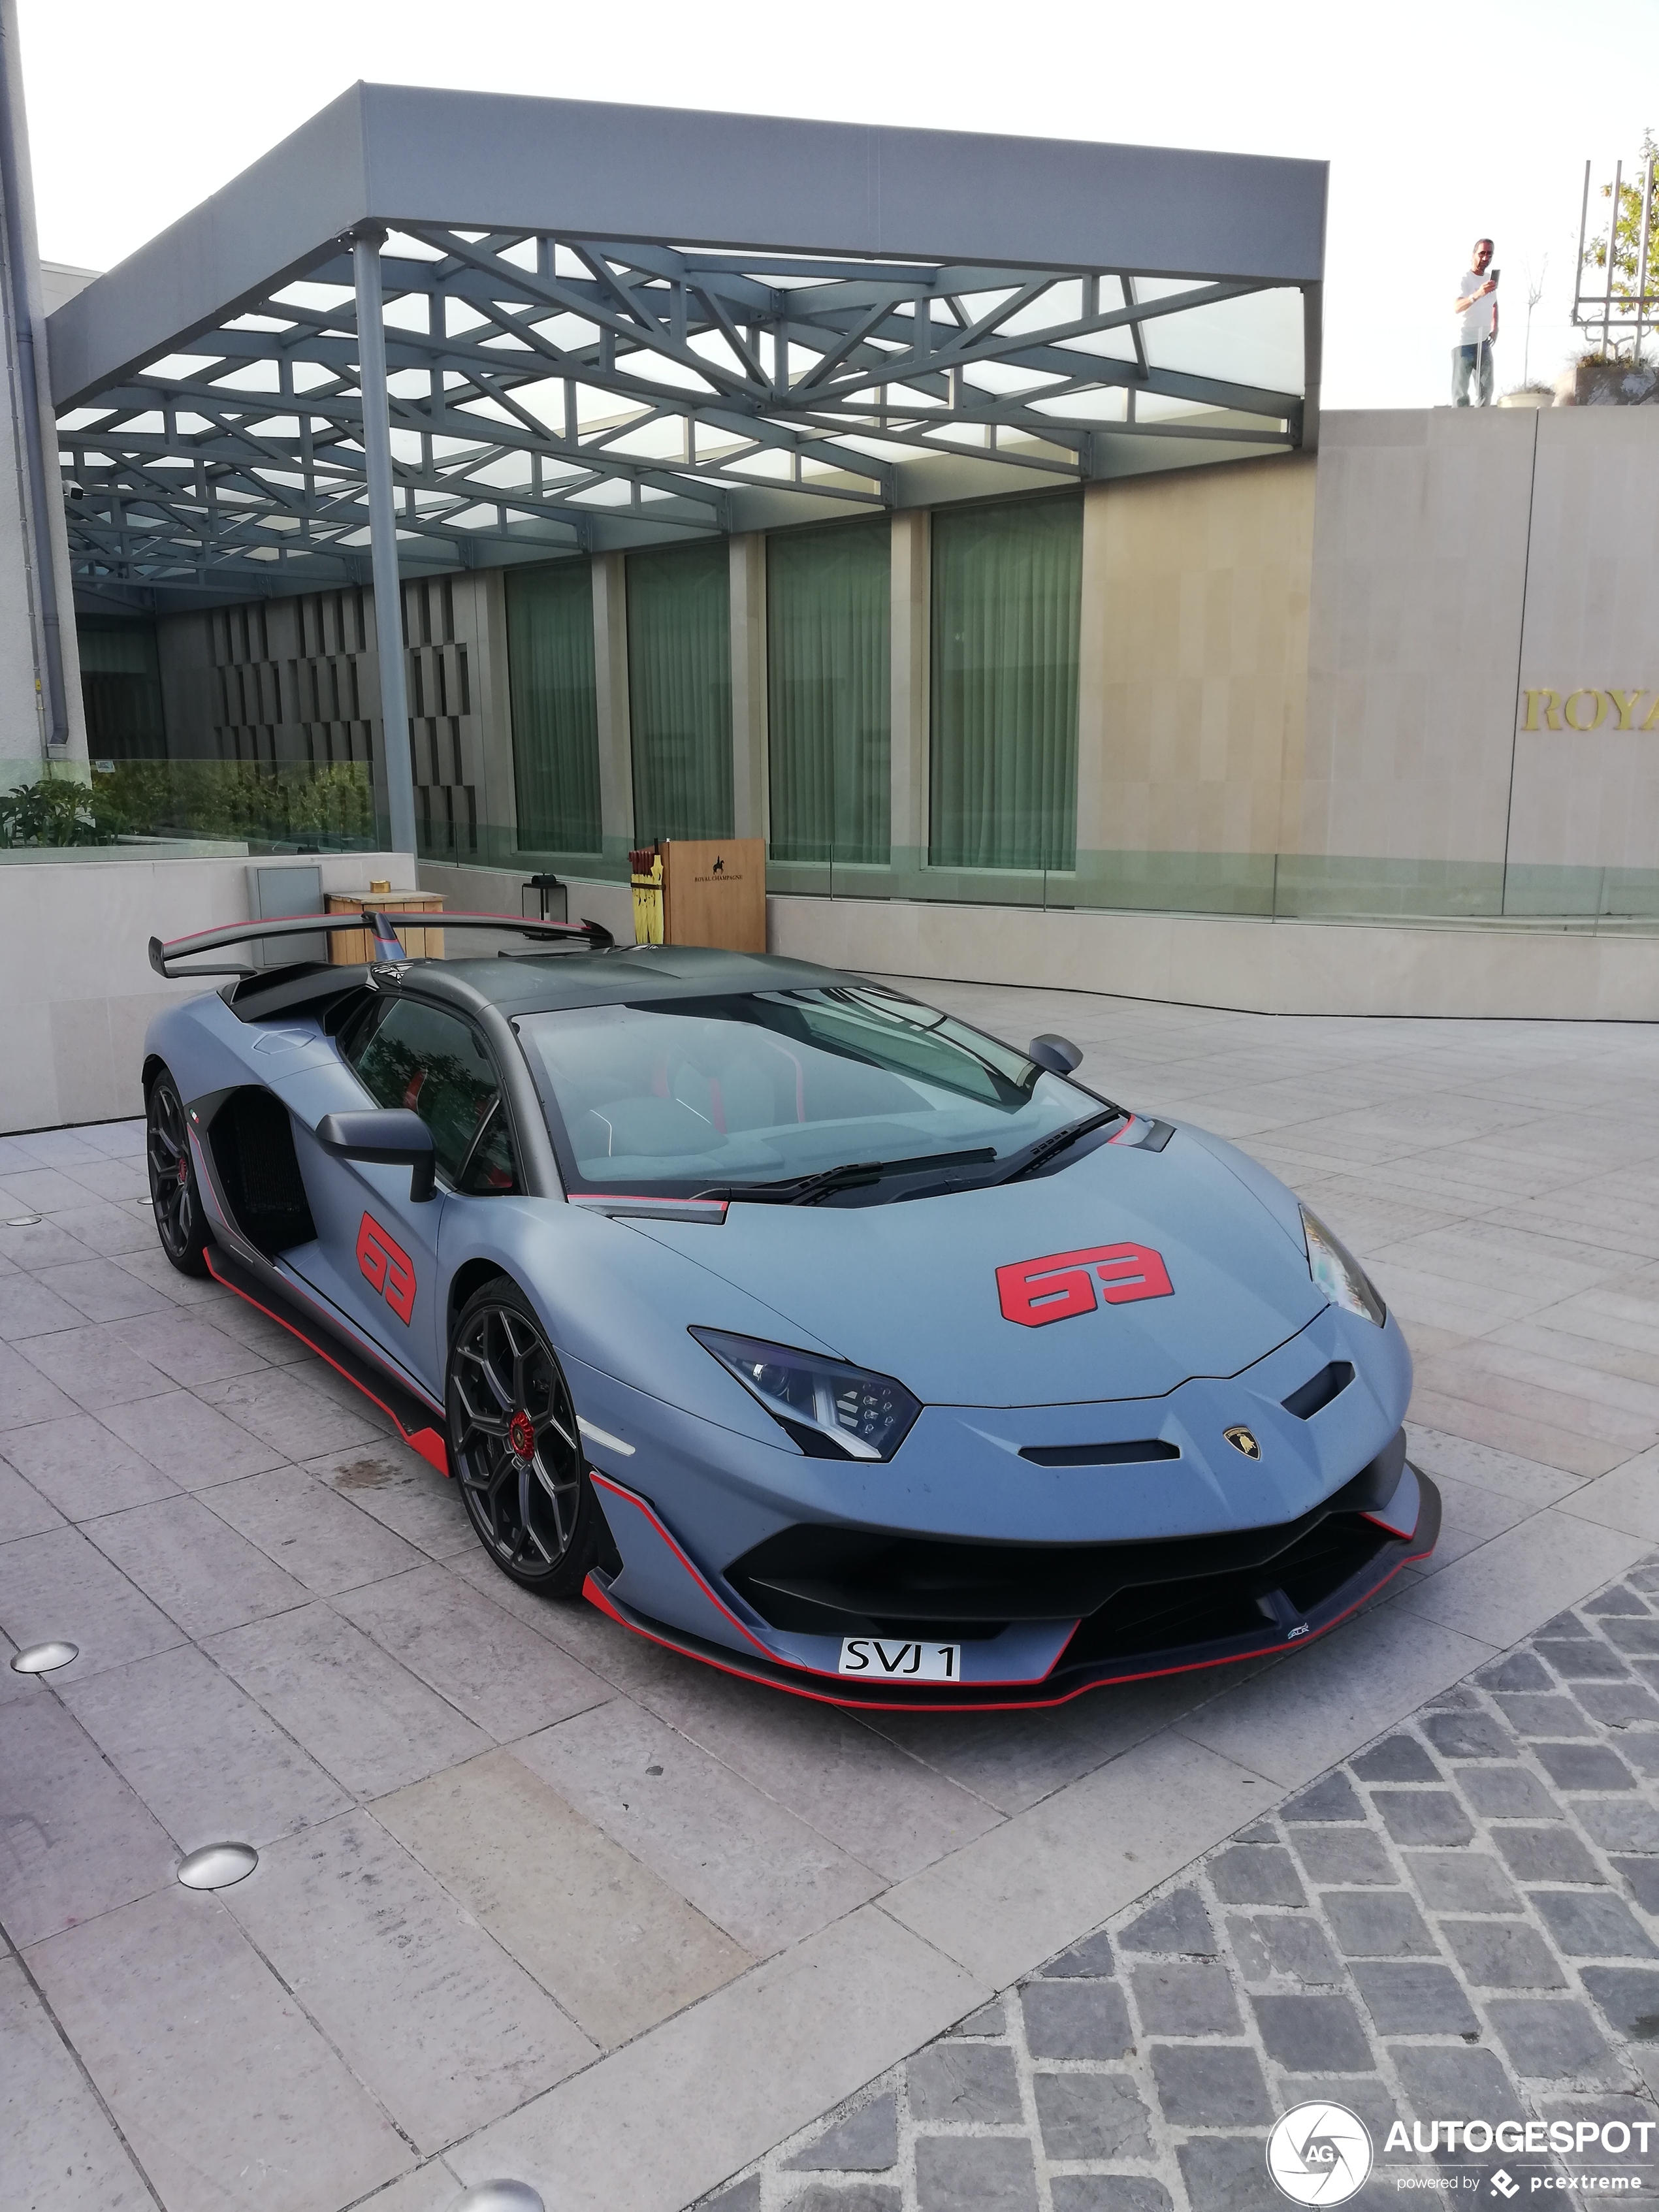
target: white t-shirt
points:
(1475, 321)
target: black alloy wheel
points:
(514, 1447)
(175, 1193)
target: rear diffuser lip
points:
(1062, 1684)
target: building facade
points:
(1407, 677)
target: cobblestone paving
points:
(1455, 1923)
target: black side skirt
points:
(417, 1421)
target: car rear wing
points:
(382, 929)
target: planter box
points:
(1614, 384)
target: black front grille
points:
(1169, 1616)
(818, 1580)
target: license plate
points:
(884, 1662)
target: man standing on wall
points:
(1476, 309)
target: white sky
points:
(1441, 121)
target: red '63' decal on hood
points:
(1033, 1291)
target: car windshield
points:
(680, 1095)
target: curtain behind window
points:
(828, 622)
(680, 690)
(555, 726)
(1008, 584)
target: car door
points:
(379, 1246)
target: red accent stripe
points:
(520, 924)
(605, 1482)
(596, 1596)
(429, 1445)
(609, 1482)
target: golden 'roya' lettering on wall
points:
(1585, 709)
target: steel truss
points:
(541, 387)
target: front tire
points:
(514, 1446)
(181, 1220)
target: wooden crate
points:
(349, 948)
(714, 892)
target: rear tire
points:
(514, 1446)
(181, 1220)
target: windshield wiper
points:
(807, 1190)
(1047, 1148)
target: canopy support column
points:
(383, 540)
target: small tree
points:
(1636, 225)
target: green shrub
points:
(244, 802)
(57, 810)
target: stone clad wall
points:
(1461, 558)
(1587, 800)
(1194, 654)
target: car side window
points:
(418, 1056)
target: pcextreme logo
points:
(1034, 1292)
(387, 1268)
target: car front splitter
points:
(1064, 1681)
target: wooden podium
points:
(712, 892)
(349, 947)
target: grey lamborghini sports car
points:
(798, 1326)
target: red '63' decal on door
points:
(1033, 1291)
(387, 1266)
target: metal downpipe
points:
(46, 571)
(383, 540)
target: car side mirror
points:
(395, 1135)
(1057, 1054)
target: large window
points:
(121, 689)
(1008, 582)
(555, 731)
(827, 620)
(679, 692)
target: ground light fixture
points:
(44, 1658)
(500, 2197)
(216, 1866)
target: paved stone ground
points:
(1457, 1923)
(536, 1899)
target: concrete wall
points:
(1460, 557)
(1253, 966)
(76, 988)
(1466, 970)
(1588, 800)
(1420, 558)
(23, 643)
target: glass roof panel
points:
(1255, 340)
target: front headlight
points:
(832, 1410)
(1337, 1273)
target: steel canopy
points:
(611, 325)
